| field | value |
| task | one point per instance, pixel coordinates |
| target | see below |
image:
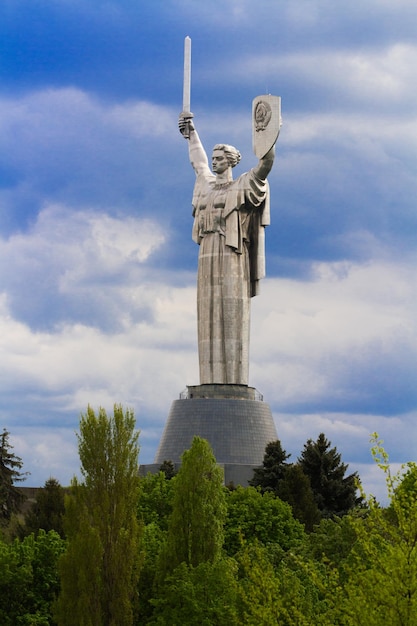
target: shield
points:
(266, 123)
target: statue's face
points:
(219, 162)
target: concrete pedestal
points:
(234, 420)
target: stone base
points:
(234, 420)
(234, 473)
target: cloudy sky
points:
(97, 266)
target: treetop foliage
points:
(10, 466)
(273, 467)
(209, 555)
(195, 529)
(47, 511)
(334, 493)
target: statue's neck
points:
(224, 177)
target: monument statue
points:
(229, 222)
(229, 218)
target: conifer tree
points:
(295, 489)
(10, 465)
(273, 467)
(334, 493)
(48, 510)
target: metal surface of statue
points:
(229, 221)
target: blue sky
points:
(97, 266)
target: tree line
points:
(301, 545)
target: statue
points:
(229, 221)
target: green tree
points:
(288, 482)
(154, 510)
(271, 593)
(100, 567)
(168, 468)
(48, 510)
(195, 530)
(155, 502)
(334, 493)
(333, 540)
(29, 579)
(382, 576)
(272, 471)
(253, 516)
(199, 596)
(295, 489)
(10, 465)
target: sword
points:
(186, 93)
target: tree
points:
(10, 465)
(275, 593)
(100, 567)
(288, 482)
(195, 530)
(203, 595)
(334, 493)
(155, 502)
(256, 517)
(381, 585)
(48, 510)
(295, 489)
(267, 476)
(29, 579)
(168, 468)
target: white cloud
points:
(67, 257)
(312, 339)
(46, 453)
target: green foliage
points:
(29, 579)
(168, 468)
(155, 502)
(350, 570)
(154, 540)
(382, 580)
(99, 570)
(10, 466)
(272, 471)
(259, 589)
(295, 489)
(48, 510)
(334, 493)
(253, 516)
(195, 530)
(333, 540)
(199, 596)
(154, 510)
(273, 594)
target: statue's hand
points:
(185, 124)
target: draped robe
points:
(229, 221)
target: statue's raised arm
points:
(198, 156)
(265, 164)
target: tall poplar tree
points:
(100, 567)
(195, 531)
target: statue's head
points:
(231, 153)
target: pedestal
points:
(234, 419)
